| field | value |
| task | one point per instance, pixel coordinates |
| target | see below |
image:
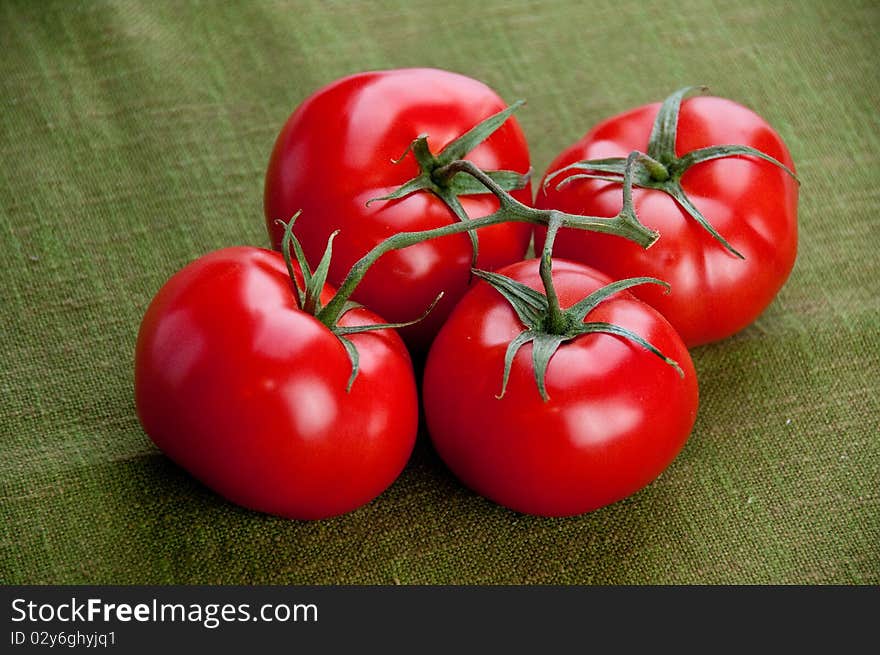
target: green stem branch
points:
(555, 321)
(332, 309)
(625, 224)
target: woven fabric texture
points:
(134, 138)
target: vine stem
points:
(625, 224)
(331, 311)
(556, 323)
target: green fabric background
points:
(134, 137)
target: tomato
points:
(247, 392)
(335, 153)
(750, 202)
(615, 417)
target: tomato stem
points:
(533, 308)
(558, 321)
(555, 321)
(625, 224)
(660, 168)
(447, 186)
(655, 169)
(546, 325)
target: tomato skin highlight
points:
(751, 202)
(617, 415)
(247, 393)
(334, 154)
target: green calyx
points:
(434, 175)
(308, 296)
(532, 308)
(547, 325)
(660, 168)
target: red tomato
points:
(616, 417)
(334, 154)
(750, 202)
(248, 393)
